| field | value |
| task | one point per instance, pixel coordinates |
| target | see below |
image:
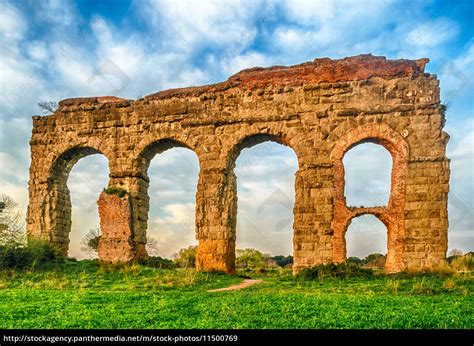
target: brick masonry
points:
(320, 109)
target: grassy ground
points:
(83, 295)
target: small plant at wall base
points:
(115, 191)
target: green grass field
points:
(83, 295)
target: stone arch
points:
(230, 185)
(251, 140)
(57, 210)
(392, 215)
(153, 148)
(138, 187)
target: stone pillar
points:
(49, 211)
(426, 217)
(116, 242)
(137, 187)
(312, 240)
(216, 215)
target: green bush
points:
(283, 261)
(158, 262)
(30, 256)
(355, 260)
(343, 270)
(115, 191)
(463, 263)
(186, 257)
(250, 258)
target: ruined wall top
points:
(360, 67)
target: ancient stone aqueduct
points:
(320, 109)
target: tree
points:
(355, 260)
(48, 106)
(186, 258)
(251, 258)
(12, 226)
(375, 260)
(90, 242)
(455, 252)
(283, 261)
(152, 246)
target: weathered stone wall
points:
(320, 109)
(116, 241)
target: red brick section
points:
(391, 216)
(116, 227)
(360, 67)
(354, 68)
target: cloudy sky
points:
(51, 50)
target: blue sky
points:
(54, 49)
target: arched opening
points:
(368, 170)
(366, 240)
(265, 173)
(391, 213)
(77, 178)
(173, 171)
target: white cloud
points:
(287, 37)
(177, 214)
(367, 175)
(433, 32)
(12, 24)
(37, 50)
(12, 168)
(18, 77)
(193, 23)
(366, 235)
(465, 61)
(86, 181)
(247, 60)
(175, 230)
(55, 12)
(463, 152)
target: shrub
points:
(375, 260)
(283, 261)
(355, 260)
(463, 263)
(30, 256)
(250, 258)
(393, 286)
(422, 287)
(343, 270)
(444, 270)
(158, 262)
(15, 258)
(115, 191)
(186, 258)
(449, 284)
